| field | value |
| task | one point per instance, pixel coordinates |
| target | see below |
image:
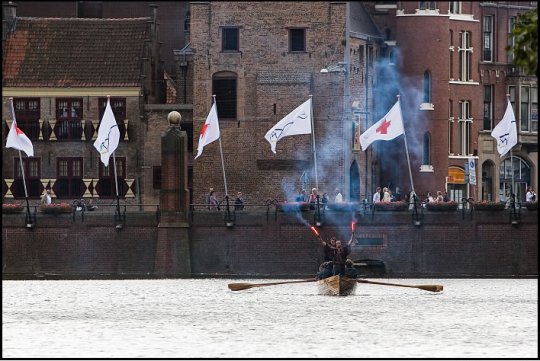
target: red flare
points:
(352, 226)
(315, 230)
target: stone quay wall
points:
(267, 244)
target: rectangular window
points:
(32, 178)
(118, 106)
(524, 109)
(427, 5)
(27, 113)
(69, 116)
(450, 127)
(465, 52)
(230, 39)
(488, 107)
(451, 56)
(464, 128)
(488, 38)
(106, 186)
(225, 91)
(511, 38)
(297, 40)
(534, 109)
(361, 55)
(69, 177)
(455, 7)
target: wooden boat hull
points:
(337, 286)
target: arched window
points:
(488, 171)
(426, 146)
(427, 87)
(224, 88)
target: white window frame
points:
(465, 122)
(488, 38)
(465, 52)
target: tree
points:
(525, 48)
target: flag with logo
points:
(17, 139)
(108, 135)
(210, 130)
(387, 128)
(505, 133)
(296, 122)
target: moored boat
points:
(337, 286)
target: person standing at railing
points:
(213, 203)
(530, 196)
(46, 198)
(239, 202)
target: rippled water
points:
(485, 318)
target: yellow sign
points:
(456, 175)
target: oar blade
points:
(239, 286)
(431, 288)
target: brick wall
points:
(273, 244)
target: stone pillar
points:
(173, 243)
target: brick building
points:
(454, 79)
(59, 72)
(262, 61)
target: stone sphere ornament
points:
(174, 118)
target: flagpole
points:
(313, 144)
(24, 184)
(513, 201)
(406, 149)
(222, 164)
(116, 184)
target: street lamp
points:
(343, 67)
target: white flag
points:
(296, 122)
(506, 131)
(387, 128)
(210, 130)
(17, 139)
(108, 135)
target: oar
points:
(245, 286)
(431, 288)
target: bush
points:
(56, 208)
(532, 206)
(391, 206)
(488, 206)
(442, 206)
(12, 208)
(293, 206)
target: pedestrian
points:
(386, 196)
(312, 198)
(301, 197)
(377, 195)
(207, 198)
(531, 195)
(339, 197)
(324, 200)
(239, 202)
(440, 197)
(212, 201)
(46, 198)
(445, 196)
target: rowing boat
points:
(337, 286)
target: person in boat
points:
(325, 270)
(350, 271)
(329, 249)
(340, 253)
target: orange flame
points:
(315, 230)
(352, 226)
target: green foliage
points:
(525, 48)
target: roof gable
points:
(62, 52)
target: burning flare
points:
(352, 226)
(315, 230)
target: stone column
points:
(173, 243)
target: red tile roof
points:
(62, 52)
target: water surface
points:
(194, 318)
